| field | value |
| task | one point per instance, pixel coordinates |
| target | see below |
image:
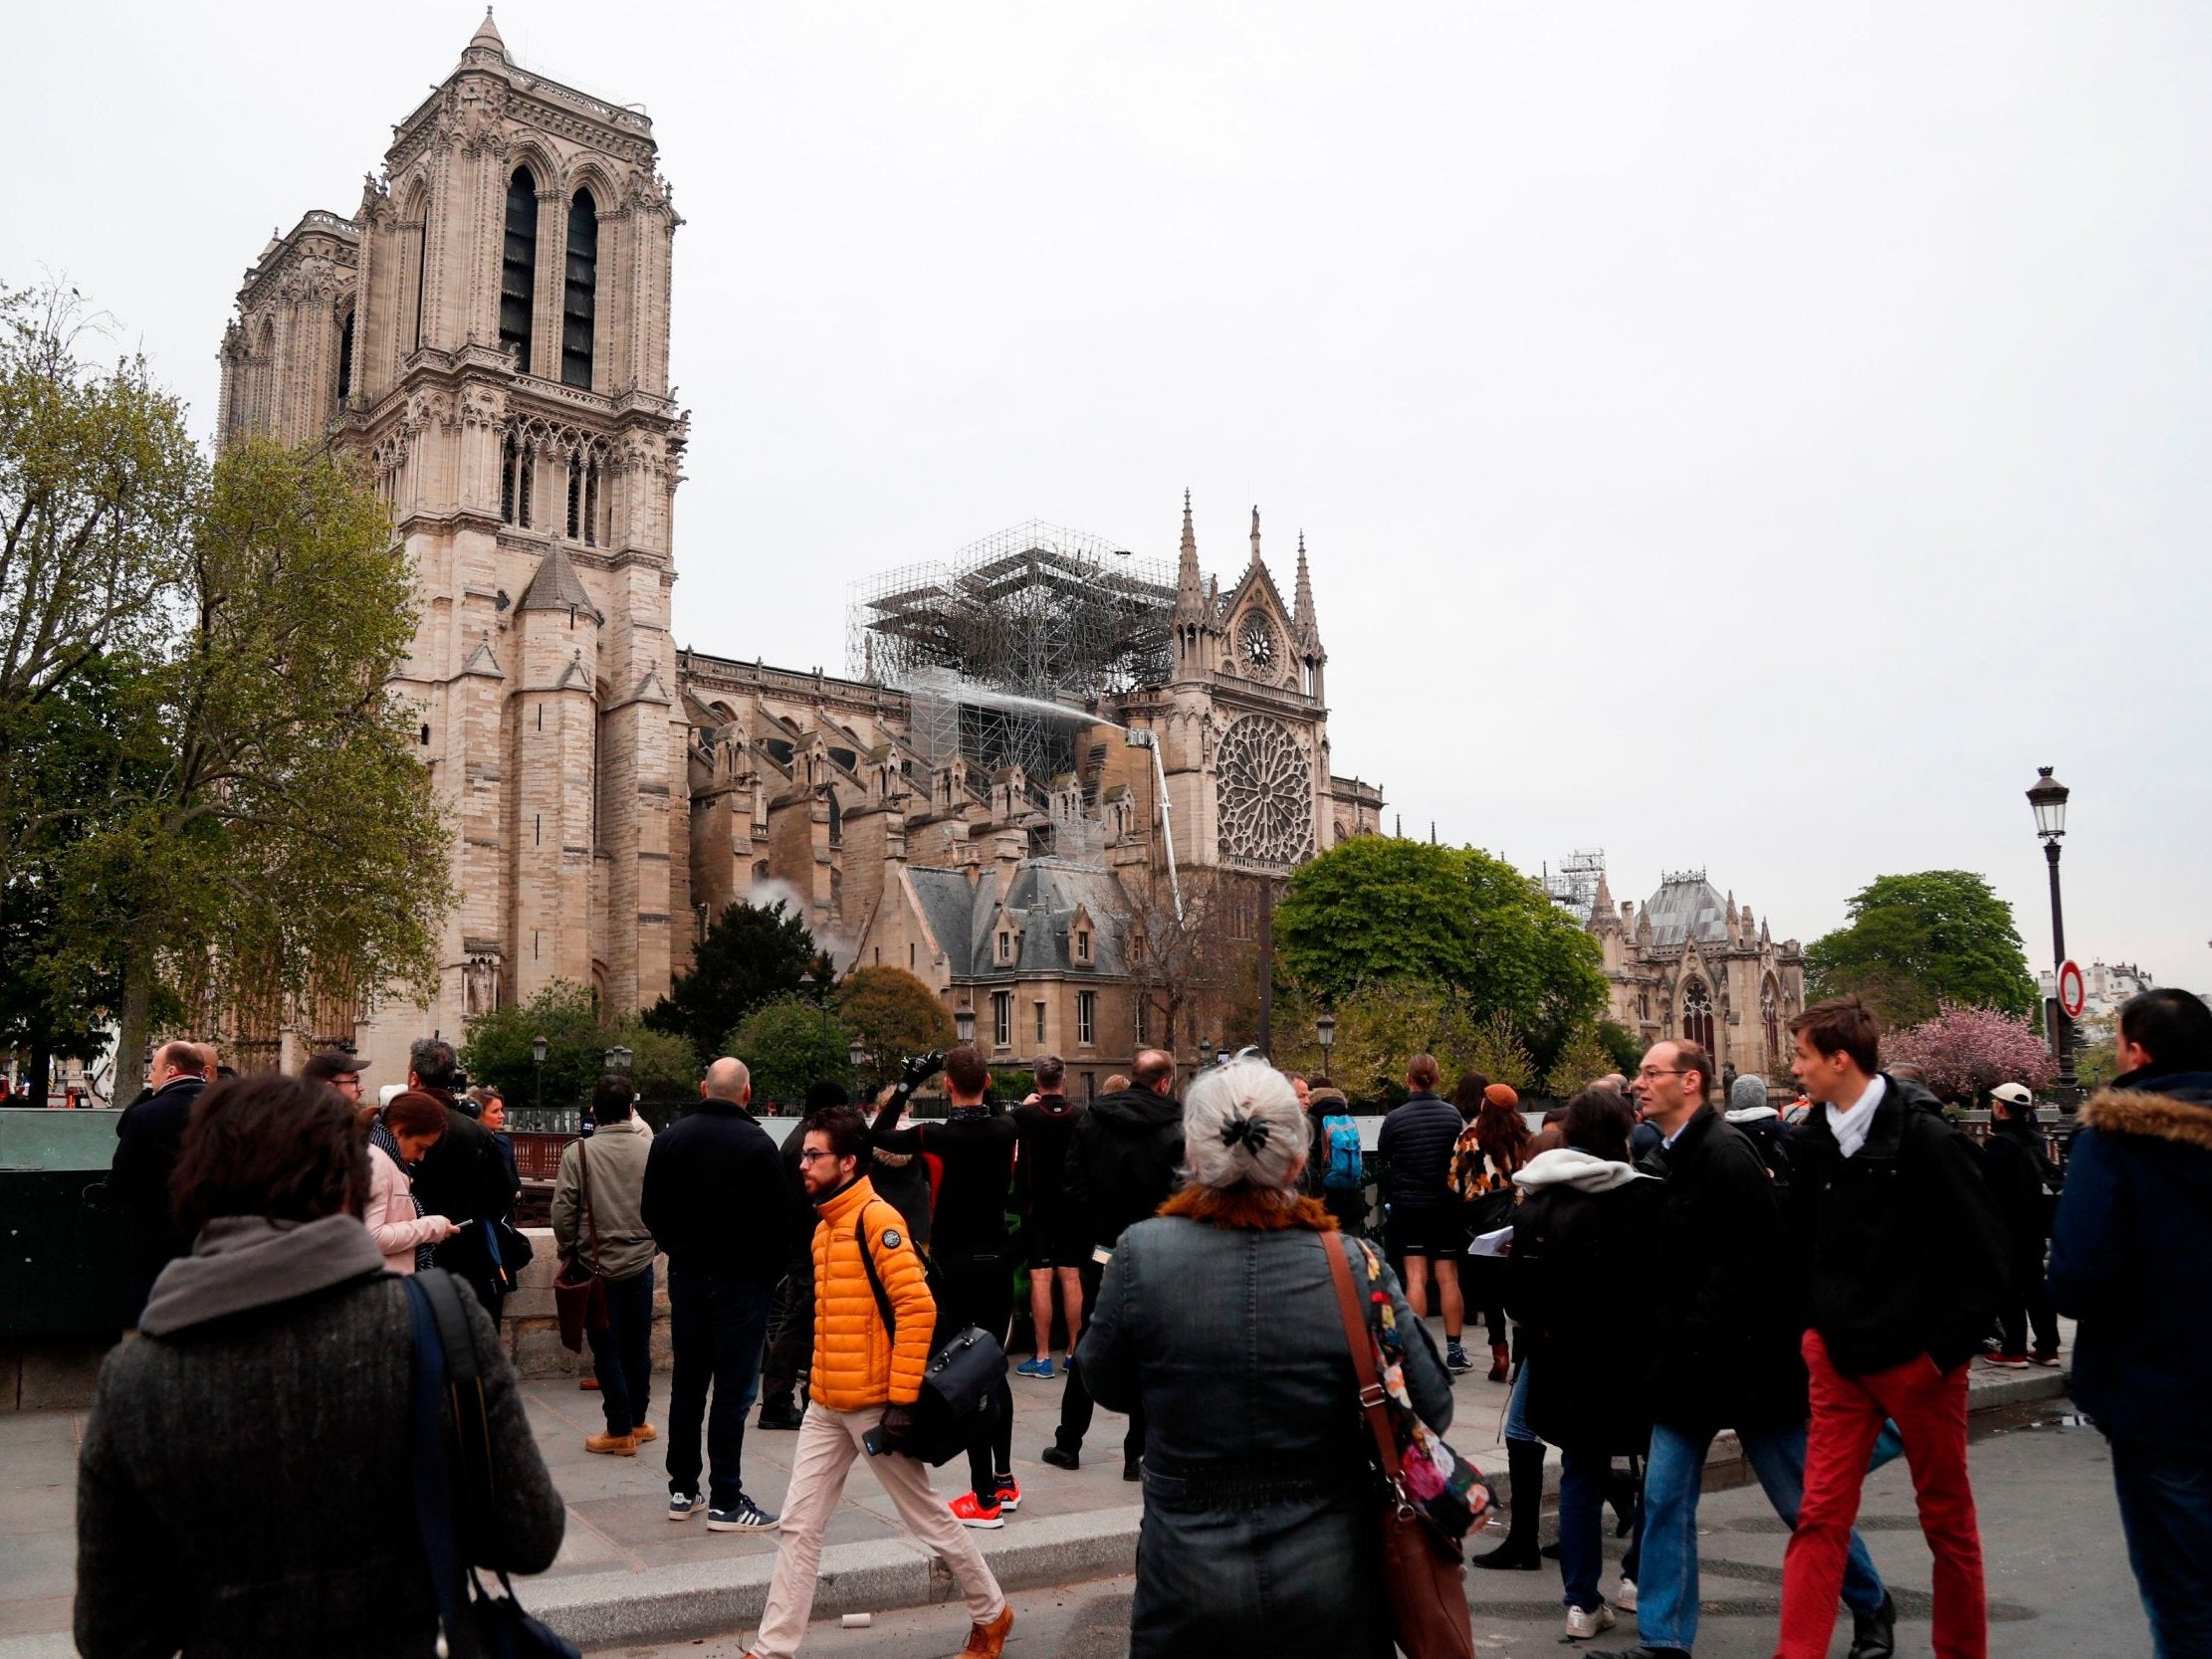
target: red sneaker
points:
(1009, 1494)
(969, 1512)
(2010, 1362)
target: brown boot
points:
(612, 1445)
(644, 1432)
(1501, 1362)
(988, 1641)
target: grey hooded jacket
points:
(245, 1492)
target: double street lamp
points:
(2048, 797)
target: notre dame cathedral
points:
(489, 334)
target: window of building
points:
(1090, 1086)
(345, 356)
(1001, 1018)
(1141, 1021)
(1086, 1017)
(1006, 946)
(517, 285)
(580, 292)
(1698, 1014)
(1040, 1022)
(910, 955)
(1082, 945)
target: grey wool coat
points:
(244, 1489)
(1260, 1530)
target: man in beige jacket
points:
(599, 1221)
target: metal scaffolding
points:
(1001, 645)
(1575, 884)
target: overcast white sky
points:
(1750, 437)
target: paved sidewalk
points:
(626, 1573)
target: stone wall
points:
(533, 1333)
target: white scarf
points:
(1851, 1126)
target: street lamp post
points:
(1206, 1052)
(963, 1024)
(857, 1053)
(537, 1059)
(1324, 1029)
(2049, 798)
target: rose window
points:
(1266, 793)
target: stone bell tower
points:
(490, 333)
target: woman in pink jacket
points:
(397, 1136)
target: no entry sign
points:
(2072, 994)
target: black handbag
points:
(461, 1528)
(959, 1388)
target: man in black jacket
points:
(1908, 1267)
(463, 1177)
(1724, 1355)
(717, 1201)
(1415, 1152)
(1122, 1159)
(2021, 1178)
(147, 1136)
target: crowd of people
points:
(1820, 1282)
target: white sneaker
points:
(1625, 1599)
(1580, 1624)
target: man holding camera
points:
(863, 1387)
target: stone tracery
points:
(1266, 793)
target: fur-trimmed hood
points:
(1250, 1208)
(2176, 1108)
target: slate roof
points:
(556, 588)
(1045, 895)
(1687, 908)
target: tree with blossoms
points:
(1965, 1049)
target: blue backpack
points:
(1347, 1170)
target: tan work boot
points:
(612, 1445)
(644, 1432)
(988, 1641)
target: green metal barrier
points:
(64, 1256)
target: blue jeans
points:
(1667, 1589)
(717, 1327)
(2166, 1509)
(1582, 1478)
(622, 1354)
(1516, 1406)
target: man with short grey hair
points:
(714, 1199)
(147, 1137)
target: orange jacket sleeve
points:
(915, 1309)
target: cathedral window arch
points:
(1698, 1014)
(345, 356)
(519, 266)
(580, 291)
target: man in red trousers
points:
(1907, 1269)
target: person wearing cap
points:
(2019, 1177)
(339, 1068)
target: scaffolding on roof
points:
(1574, 885)
(1035, 610)
(1006, 647)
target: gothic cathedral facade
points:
(489, 334)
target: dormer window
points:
(1005, 945)
(1083, 945)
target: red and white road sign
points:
(2072, 996)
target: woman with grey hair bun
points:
(1220, 1316)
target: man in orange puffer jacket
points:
(864, 1378)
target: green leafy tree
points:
(1624, 1046)
(791, 1043)
(1914, 943)
(285, 845)
(750, 955)
(895, 1016)
(1582, 1060)
(1379, 1027)
(1375, 910)
(1498, 1053)
(499, 1050)
(100, 482)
